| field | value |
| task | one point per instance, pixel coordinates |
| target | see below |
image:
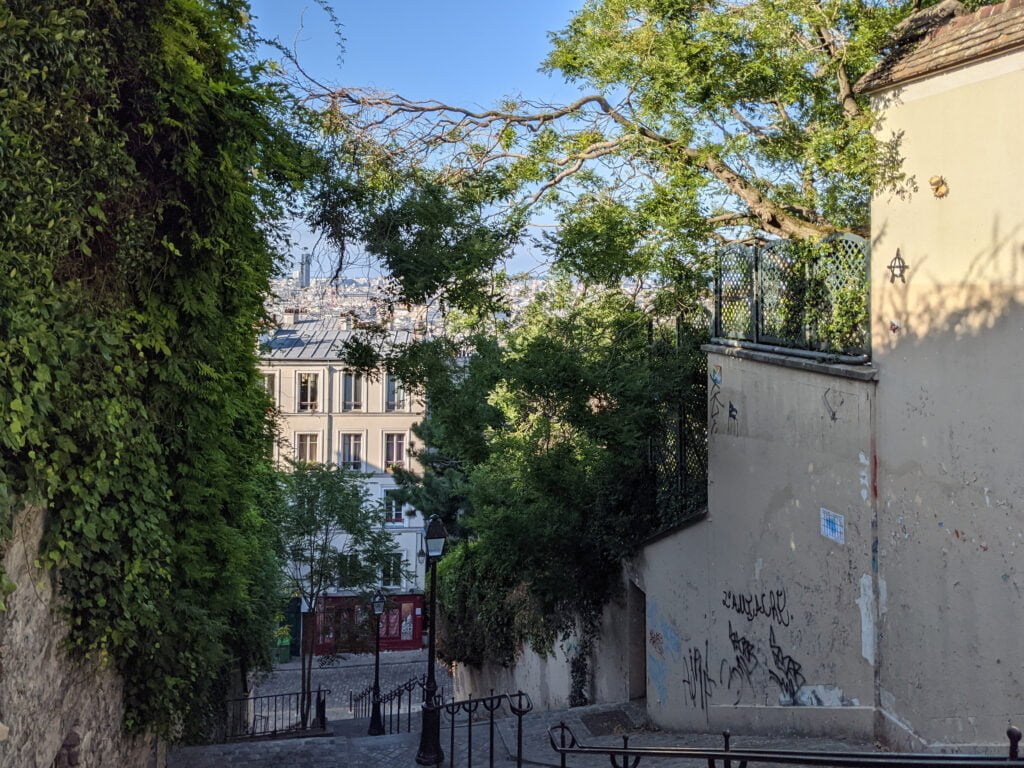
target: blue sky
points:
(470, 52)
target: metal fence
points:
(392, 703)
(481, 712)
(278, 714)
(565, 744)
(796, 296)
(679, 445)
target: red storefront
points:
(345, 625)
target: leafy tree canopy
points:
(699, 122)
(538, 458)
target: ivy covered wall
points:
(143, 164)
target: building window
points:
(394, 394)
(308, 397)
(349, 570)
(307, 447)
(394, 450)
(352, 391)
(269, 380)
(352, 451)
(393, 506)
(391, 574)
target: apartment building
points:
(330, 414)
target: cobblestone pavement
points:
(399, 750)
(352, 674)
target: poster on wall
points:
(833, 526)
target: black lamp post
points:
(430, 752)
(376, 721)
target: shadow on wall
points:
(949, 346)
(987, 296)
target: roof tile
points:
(956, 38)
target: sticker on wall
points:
(833, 526)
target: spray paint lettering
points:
(699, 684)
(788, 674)
(714, 399)
(741, 669)
(771, 605)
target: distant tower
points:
(304, 265)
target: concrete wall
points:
(546, 678)
(56, 710)
(754, 619)
(948, 344)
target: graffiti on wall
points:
(737, 674)
(755, 662)
(786, 673)
(698, 681)
(714, 398)
(771, 605)
(756, 667)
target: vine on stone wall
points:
(143, 163)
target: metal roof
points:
(316, 338)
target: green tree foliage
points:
(143, 165)
(537, 457)
(324, 516)
(698, 122)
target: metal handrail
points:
(273, 714)
(519, 704)
(565, 743)
(361, 703)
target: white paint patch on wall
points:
(866, 603)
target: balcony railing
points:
(810, 300)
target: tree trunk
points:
(306, 666)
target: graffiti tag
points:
(699, 684)
(741, 668)
(771, 605)
(788, 674)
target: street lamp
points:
(430, 752)
(376, 721)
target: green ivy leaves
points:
(141, 164)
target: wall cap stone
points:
(856, 372)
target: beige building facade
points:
(332, 415)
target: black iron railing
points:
(275, 715)
(564, 743)
(361, 703)
(803, 299)
(483, 712)
(678, 452)
(393, 703)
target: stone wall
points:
(55, 710)
(547, 678)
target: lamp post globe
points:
(376, 721)
(430, 752)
